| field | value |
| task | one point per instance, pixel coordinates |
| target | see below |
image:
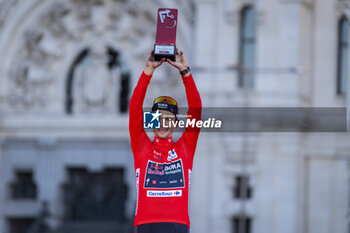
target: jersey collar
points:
(163, 141)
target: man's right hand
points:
(151, 64)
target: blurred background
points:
(68, 69)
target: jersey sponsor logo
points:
(172, 154)
(169, 193)
(157, 155)
(164, 175)
(163, 105)
(137, 188)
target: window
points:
(241, 224)
(247, 46)
(95, 196)
(343, 51)
(20, 225)
(23, 187)
(242, 190)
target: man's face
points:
(166, 125)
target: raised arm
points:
(138, 135)
(190, 136)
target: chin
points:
(163, 134)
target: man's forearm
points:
(149, 71)
(193, 97)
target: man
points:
(163, 167)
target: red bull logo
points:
(157, 166)
(156, 169)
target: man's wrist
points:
(181, 68)
(185, 71)
(148, 70)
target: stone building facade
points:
(68, 68)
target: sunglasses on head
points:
(166, 99)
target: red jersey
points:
(162, 167)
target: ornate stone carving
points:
(83, 8)
(5, 8)
(188, 9)
(132, 7)
(53, 20)
(95, 85)
(30, 74)
(64, 22)
(28, 87)
(32, 48)
(137, 23)
(114, 10)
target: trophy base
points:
(164, 50)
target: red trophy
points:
(166, 34)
